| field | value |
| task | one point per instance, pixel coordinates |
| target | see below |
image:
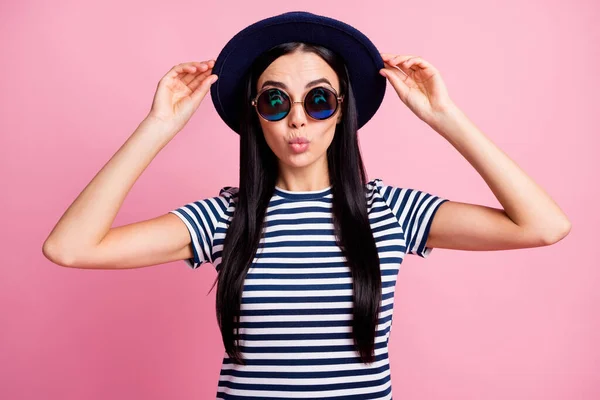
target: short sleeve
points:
(202, 219)
(414, 210)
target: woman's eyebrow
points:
(284, 86)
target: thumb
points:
(200, 92)
(396, 78)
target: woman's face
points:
(294, 71)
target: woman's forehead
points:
(298, 71)
(284, 86)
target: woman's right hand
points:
(180, 92)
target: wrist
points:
(446, 117)
(157, 131)
(160, 125)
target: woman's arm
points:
(89, 218)
(83, 236)
(530, 217)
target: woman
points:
(306, 248)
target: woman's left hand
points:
(418, 84)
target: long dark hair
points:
(258, 175)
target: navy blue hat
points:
(360, 55)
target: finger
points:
(176, 70)
(188, 73)
(395, 70)
(399, 73)
(399, 80)
(203, 65)
(202, 70)
(185, 68)
(200, 92)
(418, 62)
(395, 59)
(198, 79)
(399, 86)
(406, 64)
(399, 62)
(208, 63)
(389, 56)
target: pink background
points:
(76, 79)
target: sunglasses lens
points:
(273, 104)
(321, 103)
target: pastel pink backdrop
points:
(77, 78)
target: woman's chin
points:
(298, 160)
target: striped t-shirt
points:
(296, 308)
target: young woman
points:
(307, 249)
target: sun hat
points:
(360, 55)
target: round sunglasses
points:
(274, 104)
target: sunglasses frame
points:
(254, 102)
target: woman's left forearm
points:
(523, 200)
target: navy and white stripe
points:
(296, 308)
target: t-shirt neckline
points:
(302, 195)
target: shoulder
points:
(213, 207)
(229, 197)
(229, 192)
(375, 187)
(392, 192)
(374, 184)
(399, 198)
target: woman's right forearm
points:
(89, 218)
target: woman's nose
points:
(297, 114)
